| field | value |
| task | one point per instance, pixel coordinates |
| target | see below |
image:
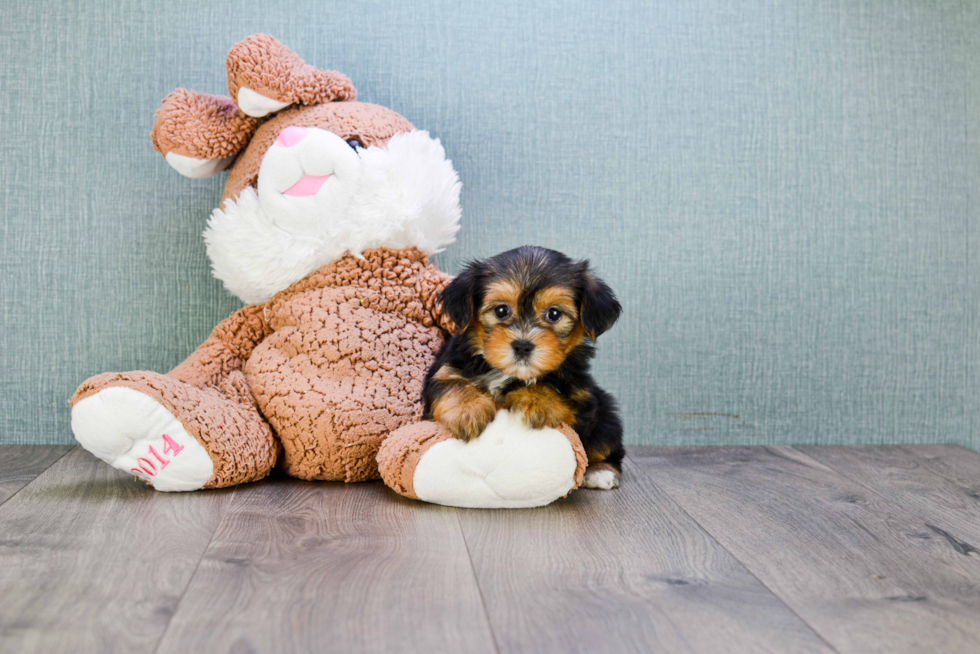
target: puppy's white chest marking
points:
(495, 382)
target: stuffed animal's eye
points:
(553, 315)
(355, 144)
(501, 311)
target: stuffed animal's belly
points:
(336, 382)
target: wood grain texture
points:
(940, 484)
(20, 464)
(954, 462)
(621, 571)
(93, 561)
(862, 570)
(311, 567)
(851, 550)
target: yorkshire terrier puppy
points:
(527, 322)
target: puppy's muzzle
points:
(522, 349)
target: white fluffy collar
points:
(407, 196)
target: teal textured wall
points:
(783, 193)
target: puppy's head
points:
(527, 309)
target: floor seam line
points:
(38, 476)
(190, 580)
(476, 580)
(738, 560)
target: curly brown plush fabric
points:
(266, 66)
(200, 125)
(371, 124)
(345, 363)
(226, 350)
(327, 368)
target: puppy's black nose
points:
(522, 348)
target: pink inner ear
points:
(291, 136)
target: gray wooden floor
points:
(730, 549)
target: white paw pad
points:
(257, 105)
(601, 479)
(134, 433)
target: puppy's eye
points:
(355, 144)
(502, 311)
(553, 315)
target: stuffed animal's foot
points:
(601, 476)
(510, 465)
(174, 435)
(264, 76)
(133, 432)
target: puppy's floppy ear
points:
(599, 308)
(457, 298)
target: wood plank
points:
(954, 462)
(949, 505)
(308, 567)
(864, 572)
(621, 571)
(92, 560)
(20, 464)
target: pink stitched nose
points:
(291, 136)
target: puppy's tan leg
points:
(464, 409)
(541, 406)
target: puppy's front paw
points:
(466, 411)
(541, 406)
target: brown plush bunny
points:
(329, 212)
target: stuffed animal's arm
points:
(229, 346)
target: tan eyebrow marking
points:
(556, 296)
(504, 291)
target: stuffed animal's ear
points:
(599, 308)
(264, 77)
(200, 134)
(458, 298)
